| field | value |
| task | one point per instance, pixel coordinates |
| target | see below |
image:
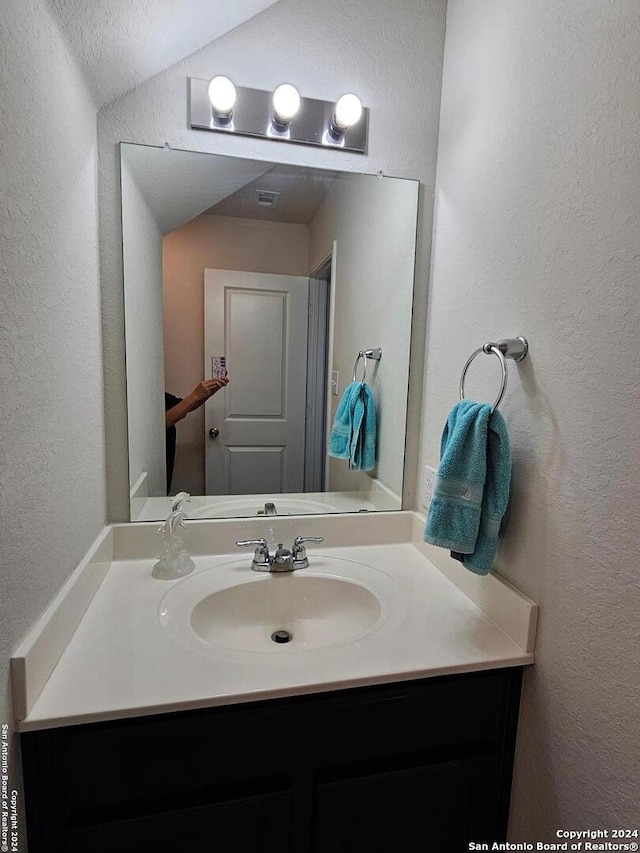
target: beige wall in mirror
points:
(303, 269)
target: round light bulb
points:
(348, 111)
(286, 102)
(222, 94)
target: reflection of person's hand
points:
(203, 390)
(207, 388)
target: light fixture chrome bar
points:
(253, 116)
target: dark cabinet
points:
(434, 807)
(257, 823)
(422, 765)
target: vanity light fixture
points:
(283, 115)
(222, 95)
(348, 113)
(286, 105)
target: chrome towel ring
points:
(365, 354)
(513, 348)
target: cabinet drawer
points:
(422, 716)
(106, 767)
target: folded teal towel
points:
(495, 497)
(353, 435)
(471, 491)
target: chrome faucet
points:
(284, 560)
(270, 509)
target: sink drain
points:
(281, 637)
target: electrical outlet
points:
(428, 480)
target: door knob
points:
(214, 432)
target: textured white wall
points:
(52, 487)
(211, 242)
(142, 260)
(120, 43)
(537, 232)
(390, 53)
(374, 224)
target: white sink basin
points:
(229, 610)
(281, 609)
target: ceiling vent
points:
(267, 198)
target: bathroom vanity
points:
(160, 715)
(420, 765)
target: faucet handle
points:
(246, 543)
(300, 559)
(261, 556)
(300, 540)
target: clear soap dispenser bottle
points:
(175, 562)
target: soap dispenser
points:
(175, 562)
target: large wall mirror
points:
(286, 273)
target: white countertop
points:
(121, 661)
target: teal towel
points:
(471, 490)
(495, 496)
(353, 435)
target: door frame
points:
(319, 347)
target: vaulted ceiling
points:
(121, 43)
(179, 185)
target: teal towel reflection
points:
(353, 436)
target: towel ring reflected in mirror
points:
(365, 354)
(513, 348)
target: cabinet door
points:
(260, 823)
(432, 808)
